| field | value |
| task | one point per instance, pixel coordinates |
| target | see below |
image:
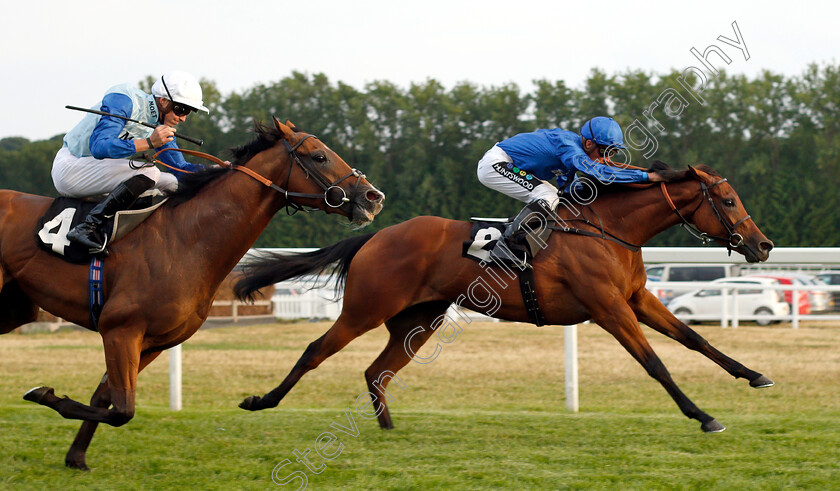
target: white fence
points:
(309, 298)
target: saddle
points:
(65, 213)
(528, 242)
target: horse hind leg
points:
(405, 340)
(337, 337)
(16, 309)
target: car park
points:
(753, 301)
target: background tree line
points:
(776, 138)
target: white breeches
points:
(496, 171)
(86, 176)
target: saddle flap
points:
(127, 220)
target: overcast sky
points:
(56, 53)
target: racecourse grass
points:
(488, 413)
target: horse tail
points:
(275, 267)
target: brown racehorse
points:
(407, 275)
(160, 280)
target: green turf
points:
(487, 414)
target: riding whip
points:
(197, 141)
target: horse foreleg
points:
(342, 332)
(619, 321)
(652, 313)
(101, 398)
(75, 457)
(122, 359)
(395, 355)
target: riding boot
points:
(513, 245)
(89, 233)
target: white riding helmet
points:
(183, 87)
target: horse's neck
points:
(638, 216)
(226, 217)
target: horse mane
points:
(671, 175)
(190, 184)
(668, 173)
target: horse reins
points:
(605, 234)
(319, 179)
(733, 241)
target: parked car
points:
(753, 300)
(685, 272)
(804, 298)
(831, 278)
(820, 300)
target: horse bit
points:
(734, 240)
(322, 182)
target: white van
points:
(686, 272)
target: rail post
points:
(175, 378)
(570, 342)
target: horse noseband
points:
(322, 182)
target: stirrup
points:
(503, 252)
(91, 250)
(102, 250)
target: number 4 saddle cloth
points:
(65, 213)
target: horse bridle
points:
(322, 182)
(734, 240)
(319, 179)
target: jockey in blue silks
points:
(522, 165)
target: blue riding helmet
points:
(603, 131)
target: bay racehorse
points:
(407, 276)
(160, 280)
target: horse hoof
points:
(37, 394)
(251, 403)
(77, 465)
(712, 427)
(761, 382)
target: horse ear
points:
(291, 125)
(693, 172)
(288, 133)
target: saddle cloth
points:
(485, 232)
(65, 213)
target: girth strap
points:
(529, 295)
(96, 292)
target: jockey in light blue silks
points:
(94, 159)
(520, 167)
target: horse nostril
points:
(766, 246)
(374, 196)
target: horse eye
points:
(729, 202)
(320, 158)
